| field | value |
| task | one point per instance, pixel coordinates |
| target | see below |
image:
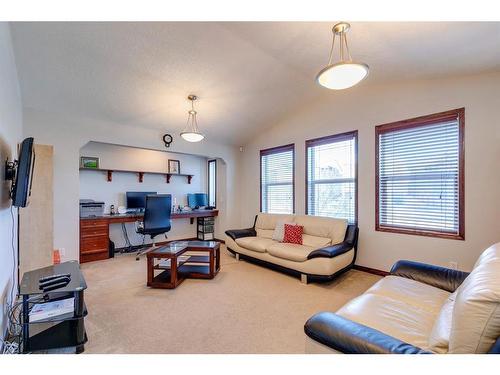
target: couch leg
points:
(303, 278)
(237, 256)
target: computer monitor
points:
(136, 200)
(197, 200)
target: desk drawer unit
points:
(94, 240)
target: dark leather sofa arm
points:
(238, 233)
(350, 241)
(350, 337)
(439, 277)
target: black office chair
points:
(156, 219)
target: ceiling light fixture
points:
(191, 133)
(345, 73)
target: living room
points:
(162, 196)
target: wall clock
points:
(167, 139)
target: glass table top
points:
(172, 248)
(176, 247)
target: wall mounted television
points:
(20, 172)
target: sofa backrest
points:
(319, 226)
(318, 231)
(266, 223)
(475, 322)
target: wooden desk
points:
(94, 231)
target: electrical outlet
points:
(453, 265)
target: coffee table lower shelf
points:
(195, 267)
(186, 271)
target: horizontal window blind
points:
(277, 179)
(419, 177)
(331, 176)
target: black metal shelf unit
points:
(56, 333)
(205, 228)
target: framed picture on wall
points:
(174, 166)
(89, 162)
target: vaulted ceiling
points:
(247, 74)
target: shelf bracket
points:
(141, 176)
(189, 181)
(168, 177)
(110, 176)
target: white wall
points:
(68, 133)
(363, 108)
(10, 135)
(94, 185)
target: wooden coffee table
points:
(170, 265)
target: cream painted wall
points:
(363, 108)
(68, 133)
(94, 185)
(10, 134)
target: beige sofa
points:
(328, 249)
(419, 308)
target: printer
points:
(90, 208)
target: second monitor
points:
(197, 200)
(136, 200)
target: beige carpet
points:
(245, 309)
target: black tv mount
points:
(10, 169)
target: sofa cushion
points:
(414, 293)
(391, 316)
(293, 252)
(269, 221)
(315, 241)
(323, 227)
(476, 313)
(439, 339)
(293, 234)
(255, 243)
(279, 230)
(490, 254)
(265, 233)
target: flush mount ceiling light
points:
(191, 133)
(345, 73)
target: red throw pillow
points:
(293, 234)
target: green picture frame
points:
(89, 162)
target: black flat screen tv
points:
(21, 185)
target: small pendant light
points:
(191, 133)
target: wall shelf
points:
(140, 174)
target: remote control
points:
(60, 279)
(55, 286)
(51, 277)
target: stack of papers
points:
(47, 311)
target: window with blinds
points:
(277, 180)
(212, 182)
(420, 177)
(332, 176)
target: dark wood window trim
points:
(416, 122)
(326, 140)
(208, 180)
(277, 150)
